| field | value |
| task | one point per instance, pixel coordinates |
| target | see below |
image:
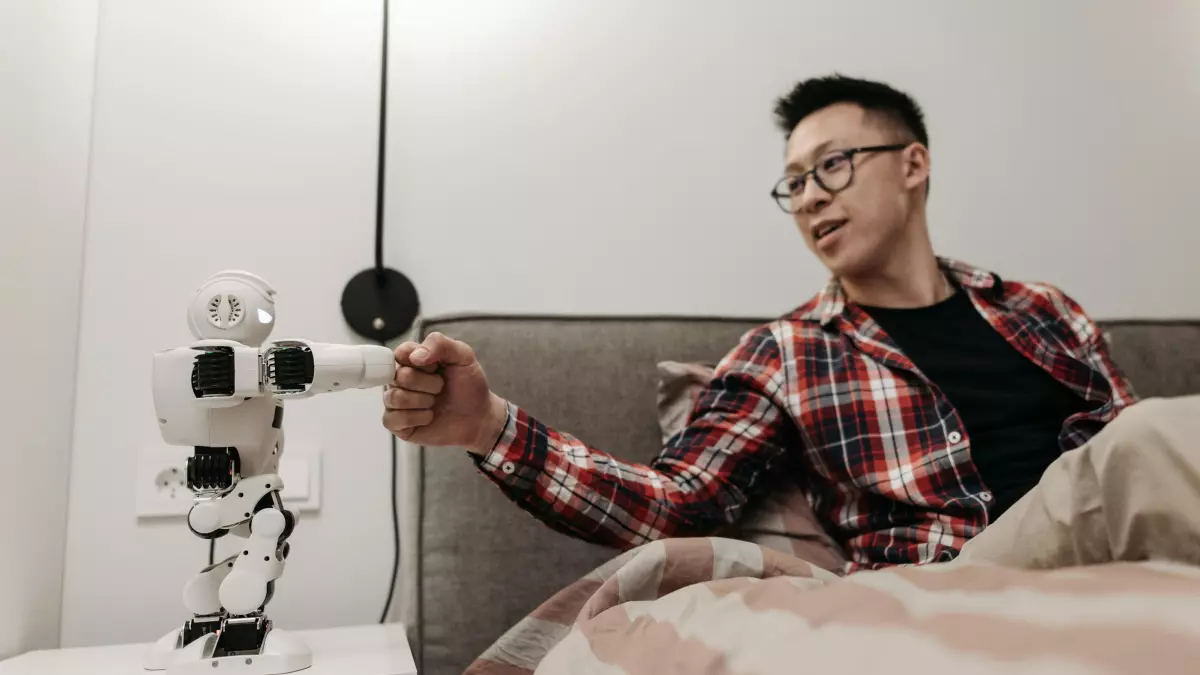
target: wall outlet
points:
(161, 481)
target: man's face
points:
(852, 230)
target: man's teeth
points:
(826, 229)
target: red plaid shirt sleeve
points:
(699, 482)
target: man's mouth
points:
(826, 228)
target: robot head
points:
(233, 305)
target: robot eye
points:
(214, 310)
(235, 310)
(225, 311)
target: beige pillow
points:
(783, 520)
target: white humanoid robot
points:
(223, 396)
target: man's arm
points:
(699, 482)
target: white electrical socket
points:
(162, 480)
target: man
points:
(915, 398)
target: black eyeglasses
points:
(833, 172)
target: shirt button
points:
(985, 496)
(954, 437)
(508, 467)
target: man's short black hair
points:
(808, 96)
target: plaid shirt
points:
(824, 394)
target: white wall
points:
(227, 135)
(561, 156)
(603, 157)
(46, 59)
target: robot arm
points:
(231, 315)
(302, 368)
(190, 381)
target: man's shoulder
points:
(1041, 303)
(804, 322)
(800, 323)
(768, 339)
(1017, 295)
(1039, 294)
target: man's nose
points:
(812, 198)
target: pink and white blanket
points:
(720, 606)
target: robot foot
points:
(240, 636)
(247, 645)
(197, 628)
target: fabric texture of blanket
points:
(718, 606)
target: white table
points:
(358, 650)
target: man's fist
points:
(440, 396)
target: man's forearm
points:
(598, 498)
(588, 493)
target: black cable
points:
(212, 550)
(395, 538)
(381, 166)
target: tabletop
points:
(355, 650)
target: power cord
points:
(380, 176)
(387, 606)
(380, 303)
(381, 163)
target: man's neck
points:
(911, 278)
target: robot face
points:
(233, 305)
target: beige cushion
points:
(784, 520)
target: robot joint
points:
(213, 469)
(212, 372)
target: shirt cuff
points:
(511, 461)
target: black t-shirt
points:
(1012, 409)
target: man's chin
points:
(847, 264)
(839, 263)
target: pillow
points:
(783, 520)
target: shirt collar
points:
(831, 302)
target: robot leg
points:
(238, 587)
(246, 632)
(200, 595)
(245, 589)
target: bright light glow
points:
(264, 316)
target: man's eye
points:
(795, 185)
(834, 163)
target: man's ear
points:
(916, 165)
